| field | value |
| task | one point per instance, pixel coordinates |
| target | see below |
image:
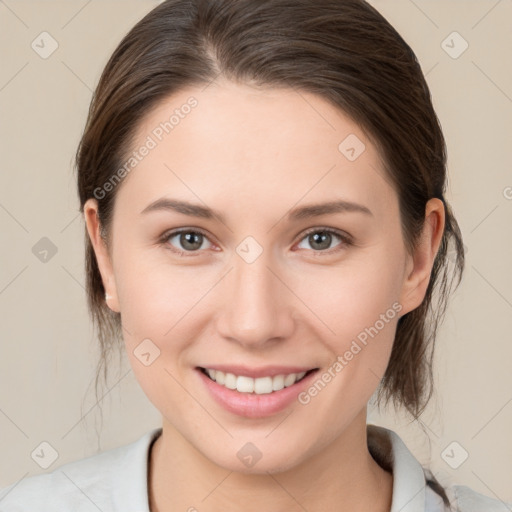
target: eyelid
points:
(344, 237)
(164, 240)
(324, 229)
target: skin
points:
(254, 154)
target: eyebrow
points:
(303, 212)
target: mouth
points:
(255, 386)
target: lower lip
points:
(252, 405)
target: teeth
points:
(260, 386)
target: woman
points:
(262, 185)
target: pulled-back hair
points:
(341, 50)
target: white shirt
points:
(116, 481)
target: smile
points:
(259, 386)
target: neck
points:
(342, 476)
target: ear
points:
(419, 265)
(102, 253)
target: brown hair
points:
(342, 50)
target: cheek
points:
(354, 294)
(343, 302)
(358, 306)
(154, 293)
(359, 312)
(158, 304)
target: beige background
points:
(48, 353)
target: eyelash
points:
(346, 240)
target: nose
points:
(257, 309)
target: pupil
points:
(321, 238)
(191, 240)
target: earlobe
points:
(101, 252)
(419, 266)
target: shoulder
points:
(465, 499)
(389, 450)
(113, 480)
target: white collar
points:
(387, 448)
(117, 479)
(409, 482)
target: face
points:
(255, 272)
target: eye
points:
(192, 241)
(320, 239)
(185, 240)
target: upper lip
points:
(263, 371)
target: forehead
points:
(230, 141)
